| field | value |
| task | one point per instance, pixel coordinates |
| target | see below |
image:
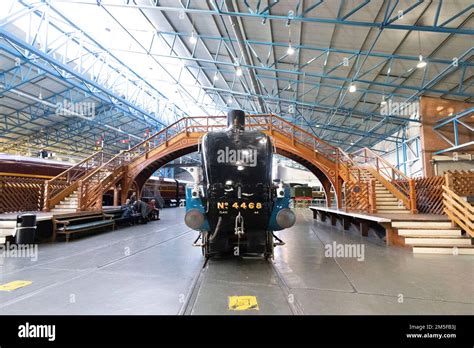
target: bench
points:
(117, 216)
(362, 220)
(70, 223)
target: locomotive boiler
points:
(236, 207)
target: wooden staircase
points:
(61, 192)
(372, 184)
(434, 237)
(68, 205)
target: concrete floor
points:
(153, 269)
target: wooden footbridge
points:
(362, 182)
(82, 186)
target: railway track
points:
(193, 293)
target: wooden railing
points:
(458, 210)
(459, 185)
(429, 195)
(96, 182)
(62, 185)
(461, 182)
(20, 194)
(399, 184)
(359, 188)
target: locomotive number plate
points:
(237, 205)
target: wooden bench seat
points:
(117, 216)
(70, 223)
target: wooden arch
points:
(140, 170)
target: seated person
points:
(154, 211)
(128, 211)
(143, 209)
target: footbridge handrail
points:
(401, 185)
(65, 183)
(92, 183)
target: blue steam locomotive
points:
(236, 207)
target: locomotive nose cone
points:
(286, 218)
(236, 120)
(194, 219)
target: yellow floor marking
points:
(14, 285)
(243, 303)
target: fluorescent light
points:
(193, 38)
(290, 51)
(421, 64)
(352, 88)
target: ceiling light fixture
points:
(238, 72)
(193, 38)
(352, 88)
(290, 51)
(421, 63)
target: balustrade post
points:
(411, 184)
(46, 196)
(80, 191)
(372, 196)
(448, 180)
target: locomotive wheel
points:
(269, 245)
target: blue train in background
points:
(236, 207)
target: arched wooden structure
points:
(288, 140)
(101, 172)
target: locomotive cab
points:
(236, 207)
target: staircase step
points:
(446, 250)
(386, 199)
(7, 232)
(393, 211)
(430, 233)
(60, 210)
(422, 224)
(7, 223)
(438, 241)
(71, 199)
(388, 203)
(66, 206)
(391, 207)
